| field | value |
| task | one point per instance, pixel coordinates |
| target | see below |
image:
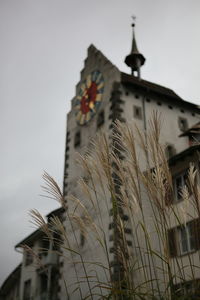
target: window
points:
(191, 289)
(100, 119)
(179, 181)
(170, 151)
(27, 290)
(77, 140)
(43, 283)
(44, 247)
(184, 239)
(57, 240)
(29, 258)
(172, 242)
(183, 124)
(137, 112)
(82, 239)
(194, 138)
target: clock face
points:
(89, 97)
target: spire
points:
(135, 59)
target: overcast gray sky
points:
(43, 45)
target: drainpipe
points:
(144, 113)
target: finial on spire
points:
(135, 59)
(134, 18)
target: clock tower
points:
(102, 96)
(92, 109)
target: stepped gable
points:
(93, 56)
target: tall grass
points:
(126, 182)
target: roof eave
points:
(30, 238)
(158, 89)
(183, 154)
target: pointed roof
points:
(135, 59)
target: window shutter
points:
(196, 229)
(172, 242)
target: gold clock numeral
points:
(100, 85)
(84, 94)
(98, 97)
(98, 78)
(91, 105)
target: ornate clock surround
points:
(89, 97)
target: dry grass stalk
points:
(140, 190)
